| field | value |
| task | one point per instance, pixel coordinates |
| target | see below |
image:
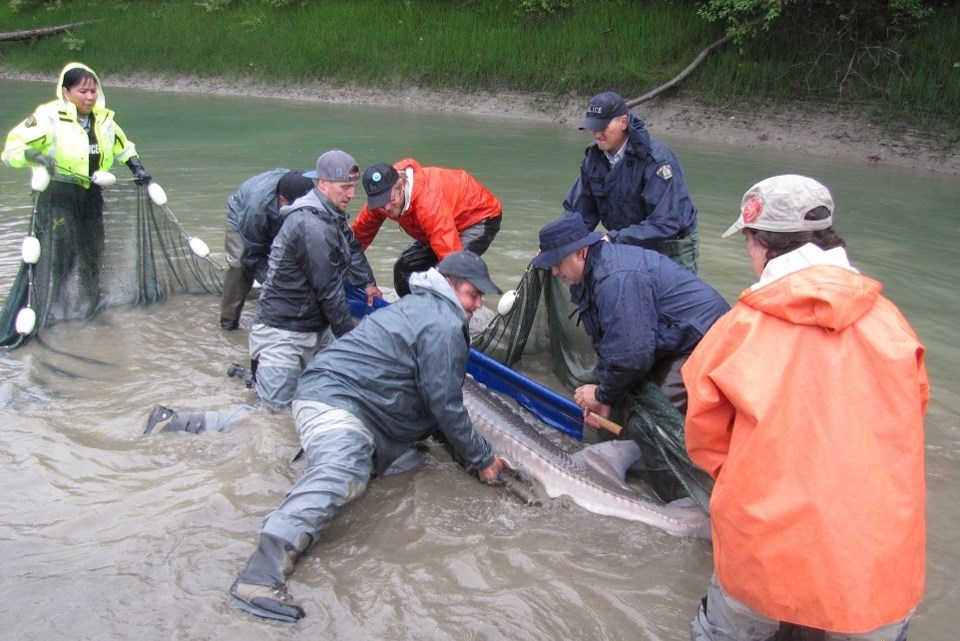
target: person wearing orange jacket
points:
(444, 210)
(806, 404)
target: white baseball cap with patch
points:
(780, 204)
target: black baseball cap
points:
(378, 180)
(603, 108)
(293, 185)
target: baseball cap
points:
(603, 108)
(336, 166)
(781, 203)
(467, 265)
(293, 185)
(378, 180)
(562, 237)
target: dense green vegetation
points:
(571, 47)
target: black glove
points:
(37, 157)
(140, 175)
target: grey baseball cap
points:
(467, 265)
(336, 166)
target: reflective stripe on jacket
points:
(442, 204)
(54, 130)
(806, 404)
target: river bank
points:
(828, 133)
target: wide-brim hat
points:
(562, 237)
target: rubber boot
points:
(261, 588)
(401, 281)
(236, 370)
(164, 419)
(237, 283)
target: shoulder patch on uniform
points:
(665, 172)
(30, 122)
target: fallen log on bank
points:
(690, 67)
(36, 34)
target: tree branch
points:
(36, 34)
(690, 67)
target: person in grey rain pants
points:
(361, 406)
(302, 296)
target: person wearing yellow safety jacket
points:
(73, 137)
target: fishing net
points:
(141, 256)
(542, 323)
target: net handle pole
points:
(614, 428)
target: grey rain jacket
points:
(642, 200)
(639, 306)
(254, 212)
(311, 257)
(401, 373)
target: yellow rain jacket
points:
(53, 129)
(806, 404)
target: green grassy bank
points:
(632, 47)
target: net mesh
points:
(146, 257)
(542, 323)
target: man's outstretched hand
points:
(491, 474)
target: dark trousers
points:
(74, 238)
(237, 284)
(238, 280)
(666, 374)
(684, 251)
(418, 256)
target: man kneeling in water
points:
(361, 405)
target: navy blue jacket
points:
(642, 200)
(638, 307)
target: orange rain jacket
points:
(806, 404)
(443, 203)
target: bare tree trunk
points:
(36, 34)
(688, 70)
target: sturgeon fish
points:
(593, 477)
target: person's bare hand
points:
(586, 398)
(491, 474)
(372, 291)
